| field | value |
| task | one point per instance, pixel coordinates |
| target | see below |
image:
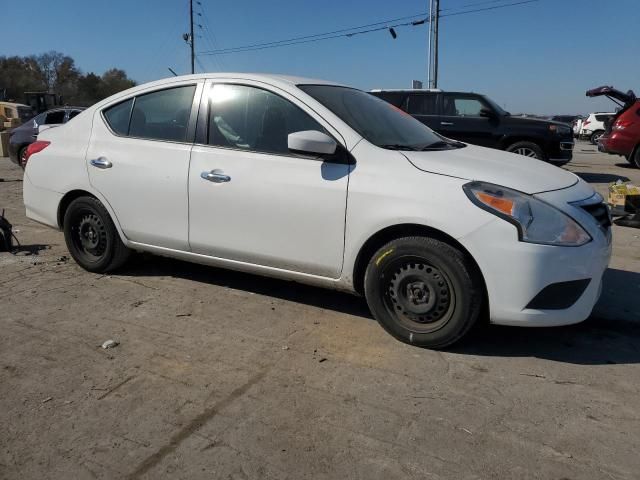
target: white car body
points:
(309, 221)
(593, 123)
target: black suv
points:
(476, 119)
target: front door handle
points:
(101, 162)
(215, 176)
(446, 124)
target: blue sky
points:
(537, 58)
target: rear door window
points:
(462, 106)
(162, 115)
(422, 104)
(118, 117)
(74, 113)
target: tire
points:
(595, 136)
(634, 158)
(21, 153)
(91, 236)
(528, 149)
(423, 291)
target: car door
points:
(138, 159)
(462, 119)
(251, 199)
(424, 107)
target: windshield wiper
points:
(398, 146)
(441, 145)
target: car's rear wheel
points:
(634, 158)
(22, 157)
(595, 136)
(91, 236)
(527, 149)
(423, 291)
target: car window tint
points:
(162, 115)
(54, 118)
(421, 104)
(462, 106)
(602, 118)
(74, 113)
(254, 119)
(118, 117)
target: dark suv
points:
(476, 119)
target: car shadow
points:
(625, 165)
(610, 336)
(150, 265)
(601, 177)
(34, 249)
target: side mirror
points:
(312, 141)
(487, 113)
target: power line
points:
(353, 31)
(277, 42)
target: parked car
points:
(14, 113)
(328, 185)
(594, 126)
(577, 126)
(26, 134)
(567, 119)
(622, 137)
(476, 119)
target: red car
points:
(622, 135)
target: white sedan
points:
(324, 184)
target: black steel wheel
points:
(423, 291)
(91, 236)
(418, 294)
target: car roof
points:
(267, 77)
(402, 90)
(13, 104)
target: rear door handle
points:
(215, 176)
(101, 163)
(446, 124)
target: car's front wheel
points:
(91, 236)
(528, 149)
(423, 291)
(634, 158)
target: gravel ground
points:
(226, 375)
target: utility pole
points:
(435, 43)
(193, 38)
(432, 71)
(429, 49)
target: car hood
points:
(494, 166)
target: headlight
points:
(560, 129)
(536, 221)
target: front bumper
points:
(515, 272)
(563, 153)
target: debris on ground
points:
(48, 399)
(323, 359)
(110, 344)
(285, 347)
(183, 315)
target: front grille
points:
(600, 212)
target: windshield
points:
(376, 120)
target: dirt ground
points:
(221, 375)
